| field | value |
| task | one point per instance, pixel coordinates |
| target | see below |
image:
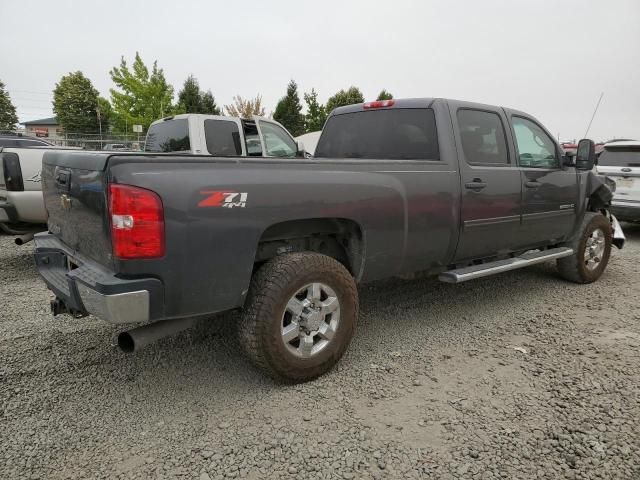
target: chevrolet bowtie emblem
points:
(65, 201)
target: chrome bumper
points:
(129, 307)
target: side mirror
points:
(586, 155)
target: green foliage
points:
(384, 95)
(143, 97)
(289, 111)
(342, 98)
(8, 117)
(74, 102)
(316, 113)
(193, 100)
(245, 108)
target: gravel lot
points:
(518, 376)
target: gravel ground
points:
(517, 376)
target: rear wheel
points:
(300, 316)
(592, 248)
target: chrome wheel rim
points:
(594, 249)
(310, 320)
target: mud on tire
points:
(581, 267)
(262, 326)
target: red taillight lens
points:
(137, 222)
(378, 104)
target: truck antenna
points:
(594, 114)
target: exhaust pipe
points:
(26, 238)
(138, 338)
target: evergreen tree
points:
(8, 117)
(384, 95)
(316, 113)
(289, 111)
(193, 100)
(342, 98)
(75, 101)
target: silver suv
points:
(621, 162)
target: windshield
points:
(620, 157)
(394, 134)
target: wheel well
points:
(335, 237)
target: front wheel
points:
(591, 251)
(300, 316)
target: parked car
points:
(309, 141)
(21, 202)
(620, 160)
(436, 186)
(220, 136)
(23, 141)
(116, 147)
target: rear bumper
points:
(626, 211)
(85, 287)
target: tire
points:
(11, 230)
(580, 267)
(289, 280)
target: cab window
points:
(277, 141)
(536, 149)
(483, 138)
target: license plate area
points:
(622, 182)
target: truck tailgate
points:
(75, 198)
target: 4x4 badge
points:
(221, 198)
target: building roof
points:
(43, 121)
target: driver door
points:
(549, 191)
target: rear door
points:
(621, 162)
(549, 191)
(490, 182)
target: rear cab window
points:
(168, 136)
(385, 134)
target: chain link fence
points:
(88, 141)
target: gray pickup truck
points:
(443, 187)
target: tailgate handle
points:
(63, 179)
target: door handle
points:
(533, 184)
(476, 185)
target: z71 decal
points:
(220, 198)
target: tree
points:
(289, 111)
(8, 117)
(342, 98)
(384, 95)
(143, 97)
(193, 100)
(316, 113)
(208, 104)
(245, 108)
(75, 101)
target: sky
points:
(551, 59)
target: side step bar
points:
(491, 268)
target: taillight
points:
(379, 104)
(12, 172)
(137, 222)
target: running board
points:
(491, 268)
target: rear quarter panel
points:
(211, 249)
